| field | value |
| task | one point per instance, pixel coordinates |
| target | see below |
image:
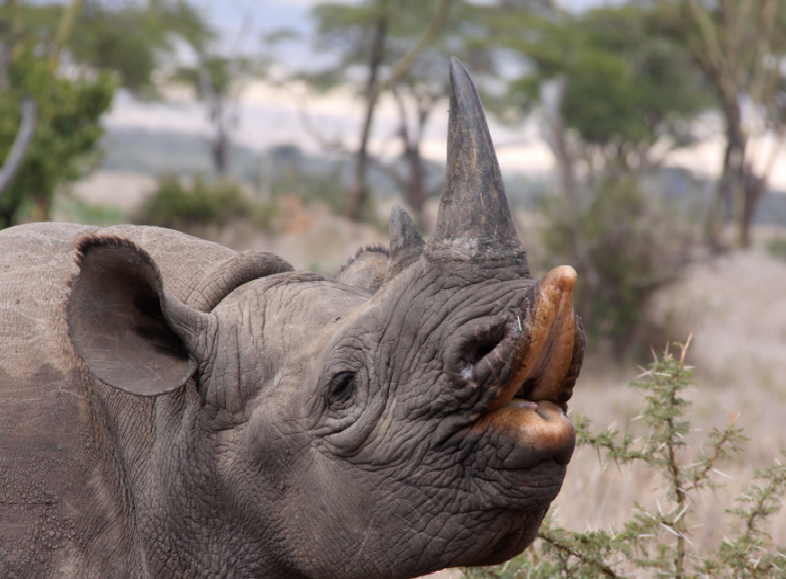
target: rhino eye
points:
(342, 387)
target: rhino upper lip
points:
(522, 397)
(506, 363)
(538, 355)
(522, 389)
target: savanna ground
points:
(734, 305)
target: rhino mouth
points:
(532, 371)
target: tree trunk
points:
(358, 192)
(552, 93)
(24, 137)
(754, 189)
(220, 152)
(730, 195)
(42, 208)
(6, 218)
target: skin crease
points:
(173, 409)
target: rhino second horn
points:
(406, 243)
(474, 221)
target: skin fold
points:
(172, 408)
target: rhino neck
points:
(177, 498)
(119, 429)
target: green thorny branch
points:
(658, 542)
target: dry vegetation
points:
(736, 308)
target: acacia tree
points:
(610, 88)
(128, 39)
(740, 45)
(609, 80)
(51, 122)
(217, 80)
(425, 84)
(378, 44)
(89, 48)
(378, 37)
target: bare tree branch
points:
(403, 130)
(326, 143)
(64, 32)
(21, 142)
(389, 171)
(402, 65)
(357, 193)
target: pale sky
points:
(270, 116)
(229, 16)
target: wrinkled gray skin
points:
(173, 409)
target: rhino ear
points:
(129, 333)
(367, 270)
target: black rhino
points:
(171, 408)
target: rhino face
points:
(407, 416)
(429, 432)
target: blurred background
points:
(640, 142)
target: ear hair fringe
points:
(376, 248)
(89, 241)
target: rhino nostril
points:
(481, 351)
(481, 343)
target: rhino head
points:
(406, 416)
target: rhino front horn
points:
(474, 223)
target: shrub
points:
(176, 206)
(777, 248)
(624, 246)
(326, 189)
(657, 543)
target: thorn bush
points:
(657, 543)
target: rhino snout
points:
(527, 368)
(533, 353)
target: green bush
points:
(177, 206)
(624, 246)
(66, 138)
(777, 248)
(73, 209)
(657, 543)
(327, 189)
